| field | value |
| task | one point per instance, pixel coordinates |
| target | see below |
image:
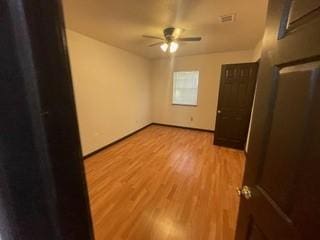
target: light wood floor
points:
(165, 183)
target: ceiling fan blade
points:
(155, 44)
(189, 39)
(153, 37)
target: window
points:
(185, 88)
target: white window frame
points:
(173, 89)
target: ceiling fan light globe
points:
(173, 47)
(164, 47)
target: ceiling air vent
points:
(227, 18)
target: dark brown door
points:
(237, 86)
(283, 163)
(43, 192)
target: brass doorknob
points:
(219, 111)
(245, 192)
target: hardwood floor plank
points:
(165, 183)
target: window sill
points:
(186, 105)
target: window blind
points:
(185, 88)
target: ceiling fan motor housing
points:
(169, 33)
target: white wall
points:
(112, 91)
(209, 65)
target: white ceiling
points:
(121, 23)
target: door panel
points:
(255, 233)
(234, 105)
(302, 8)
(284, 152)
(284, 146)
(277, 186)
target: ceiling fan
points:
(171, 39)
